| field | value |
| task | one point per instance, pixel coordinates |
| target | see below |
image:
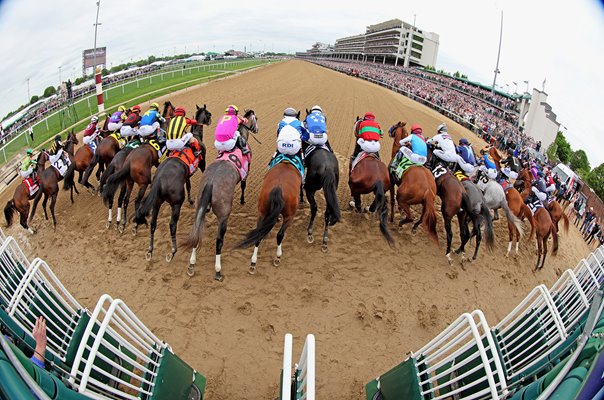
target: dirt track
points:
(368, 305)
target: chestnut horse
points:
(105, 151)
(417, 187)
(279, 195)
(81, 160)
(543, 227)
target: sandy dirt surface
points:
(367, 304)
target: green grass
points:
(135, 91)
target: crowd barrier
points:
(547, 346)
(299, 384)
(106, 354)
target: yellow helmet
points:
(155, 105)
(121, 108)
(232, 109)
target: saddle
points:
(362, 155)
(294, 160)
(314, 147)
(187, 156)
(238, 160)
(506, 185)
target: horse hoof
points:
(310, 239)
(218, 277)
(134, 231)
(252, 270)
(191, 270)
(120, 228)
(324, 248)
(108, 225)
(242, 202)
(351, 204)
(169, 257)
(367, 209)
(148, 256)
(277, 261)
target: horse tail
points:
(9, 209)
(429, 216)
(200, 217)
(526, 211)
(565, 220)
(330, 187)
(106, 174)
(266, 224)
(114, 182)
(68, 182)
(93, 162)
(381, 208)
(490, 235)
(555, 238)
(514, 220)
(140, 217)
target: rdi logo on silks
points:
(287, 145)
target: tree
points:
(34, 98)
(552, 152)
(49, 91)
(595, 179)
(580, 163)
(563, 151)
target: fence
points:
(300, 385)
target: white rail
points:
(305, 371)
(570, 299)
(286, 371)
(13, 266)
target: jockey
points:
(413, 147)
(445, 150)
(290, 117)
(550, 184)
(117, 119)
(130, 125)
(177, 138)
(316, 125)
(28, 165)
(466, 152)
(488, 165)
(534, 170)
(368, 132)
(56, 150)
(91, 132)
(512, 165)
(289, 141)
(538, 190)
(150, 121)
(227, 133)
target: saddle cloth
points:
(119, 139)
(187, 156)
(61, 164)
(238, 160)
(362, 155)
(535, 205)
(314, 147)
(295, 160)
(32, 185)
(506, 185)
(399, 170)
(461, 176)
(160, 148)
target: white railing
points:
(570, 299)
(304, 371)
(586, 276)
(13, 266)
(461, 362)
(122, 354)
(529, 332)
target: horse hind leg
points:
(449, 240)
(53, 201)
(137, 204)
(243, 185)
(152, 227)
(44, 206)
(173, 226)
(222, 227)
(310, 195)
(280, 236)
(188, 187)
(254, 260)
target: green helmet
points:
(29, 152)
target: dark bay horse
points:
(417, 187)
(478, 212)
(370, 175)
(115, 165)
(216, 192)
(49, 182)
(279, 195)
(21, 198)
(106, 149)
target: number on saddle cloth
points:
(401, 168)
(439, 171)
(460, 175)
(161, 150)
(238, 160)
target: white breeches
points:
(540, 195)
(88, 139)
(448, 157)
(369, 146)
(127, 131)
(114, 126)
(147, 130)
(26, 174)
(491, 173)
(227, 145)
(415, 158)
(509, 173)
(318, 139)
(179, 144)
(551, 188)
(288, 144)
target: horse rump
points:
(330, 186)
(200, 216)
(113, 183)
(267, 222)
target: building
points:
(317, 50)
(390, 42)
(538, 120)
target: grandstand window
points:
(416, 54)
(418, 38)
(417, 46)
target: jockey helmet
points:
(231, 109)
(290, 112)
(58, 138)
(463, 140)
(136, 109)
(415, 128)
(316, 108)
(29, 152)
(442, 128)
(180, 111)
(155, 105)
(369, 115)
(121, 108)
(94, 119)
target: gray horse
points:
(477, 211)
(495, 199)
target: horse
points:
(81, 161)
(21, 198)
(115, 165)
(216, 192)
(495, 156)
(137, 169)
(279, 195)
(107, 148)
(49, 181)
(370, 175)
(167, 113)
(544, 226)
(417, 187)
(477, 212)
(322, 172)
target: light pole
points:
(28, 97)
(60, 81)
(96, 26)
(498, 54)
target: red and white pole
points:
(99, 89)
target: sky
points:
(560, 43)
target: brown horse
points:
(544, 226)
(495, 156)
(555, 209)
(105, 151)
(49, 182)
(21, 198)
(417, 187)
(370, 175)
(278, 196)
(81, 161)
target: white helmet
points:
(94, 119)
(442, 128)
(290, 112)
(316, 108)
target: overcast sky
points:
(561, 42)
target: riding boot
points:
(396, 160)
(242, 145)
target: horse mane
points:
(167, 106)
(248, 113)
